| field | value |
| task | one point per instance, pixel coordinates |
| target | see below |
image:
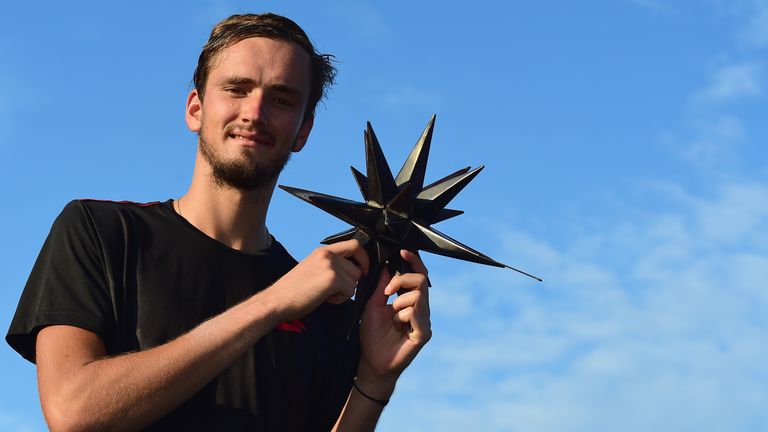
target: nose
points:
(254, 108)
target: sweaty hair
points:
(238, 27)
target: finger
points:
(344, 286)
(415, 261)
(407, 320)
(350, 270)
(415, 299)
(402, 320)
(408, 281)
(421, 327)
(416, 324)
(414, 289)
(403, 301)
(352, 249)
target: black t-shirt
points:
(139, 275)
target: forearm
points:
(391, 335)
(133, 390)
(82, 389)
(364, 403)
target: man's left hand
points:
(392, 334)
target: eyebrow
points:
(241, 80)
(234, 79)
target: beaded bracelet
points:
(383, 403)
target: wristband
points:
(383, 403)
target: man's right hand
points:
(330, 273)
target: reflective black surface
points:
(398, 212)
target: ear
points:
(193, 112)
(303, 135)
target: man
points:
(187, 314)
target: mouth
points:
(250, 139)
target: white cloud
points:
(715, 142)
(736, 217)
(654, 323)
(734, 81)
(751, 18)
(716, 135)
(755, 31)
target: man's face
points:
(252, 115)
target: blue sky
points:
(624, 165)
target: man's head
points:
(257, 83)
(238, 27)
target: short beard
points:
(246, 176)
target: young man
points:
(187, 314)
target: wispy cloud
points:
(755, 31)
(670, 304)
(715, 142)
(717, 127)
(734, 81)
(715, 134)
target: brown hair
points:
(238, 27)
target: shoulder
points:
(91, 219)
(104, 212)
(106, 207)
(88, 207)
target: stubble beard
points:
(245, 174)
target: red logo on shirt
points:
(295, 326)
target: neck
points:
(231, 216)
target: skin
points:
(252, 116)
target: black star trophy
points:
(397, 213)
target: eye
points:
(284, 101)
(237, 91)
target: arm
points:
(390, 338)
(81, 389)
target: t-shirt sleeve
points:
(67, 285)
